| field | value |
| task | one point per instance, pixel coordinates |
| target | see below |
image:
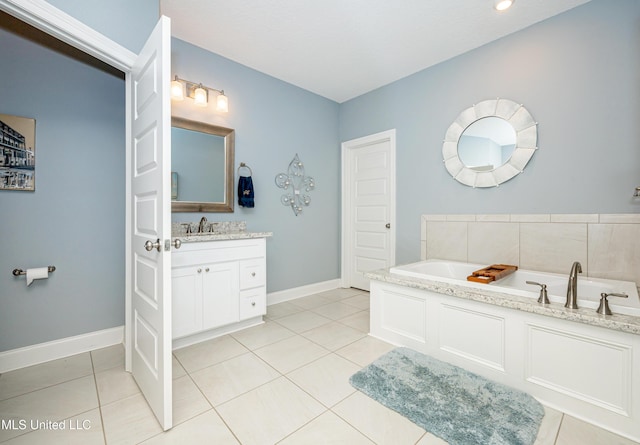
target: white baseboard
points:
(64, 347)
(302, 291)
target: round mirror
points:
(489, 143)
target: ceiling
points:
(341, 49)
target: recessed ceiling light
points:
(502, 5)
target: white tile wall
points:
(607, 246)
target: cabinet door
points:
(220, 294)
(186, 306)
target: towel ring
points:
(242, 164)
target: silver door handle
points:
(176, 243)
(150, 245)
(388, 225)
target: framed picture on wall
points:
(17, 153)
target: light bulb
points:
(200, 97)
(502, 5)
(177, 90)
(222, 103)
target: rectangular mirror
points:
(202, 159)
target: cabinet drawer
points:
(253, 303)
(252, 273)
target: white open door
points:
(148, 317)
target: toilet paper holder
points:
(17, 272)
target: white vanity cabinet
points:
(217, 287)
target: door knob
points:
(150, 245)
(388, 225)
(176, 243)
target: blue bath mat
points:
(454, 404)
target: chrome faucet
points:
(203, 221)
(572, 286)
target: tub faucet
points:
(203, 221)
(572, 286)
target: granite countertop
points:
(197, 238)
(617, 322)
(214, 231)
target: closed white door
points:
(368, 207)
(149, 223)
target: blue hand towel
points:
(245, 192)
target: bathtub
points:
(589, 289)
(574, 360)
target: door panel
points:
(368, 207)
(149, 171)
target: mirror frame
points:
(526, 129)
(229, 153)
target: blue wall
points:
(75, 218)
(577, 73)
(273, 121)
(124, 21)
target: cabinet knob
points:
(206, 270)
(253, 274)
(199, 270)
(253, 303)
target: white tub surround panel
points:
(607, 245)
(482, 293)
(577, 361)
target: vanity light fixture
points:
(199, 93)
(502, 5)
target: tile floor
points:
(284, 382)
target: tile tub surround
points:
(607, 245)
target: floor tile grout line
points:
(95, 382)
(327, 409)
(555, 439)
(52, 384)
(212, 407)
(347, 421)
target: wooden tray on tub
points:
(492, 273)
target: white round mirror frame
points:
(526, 139)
